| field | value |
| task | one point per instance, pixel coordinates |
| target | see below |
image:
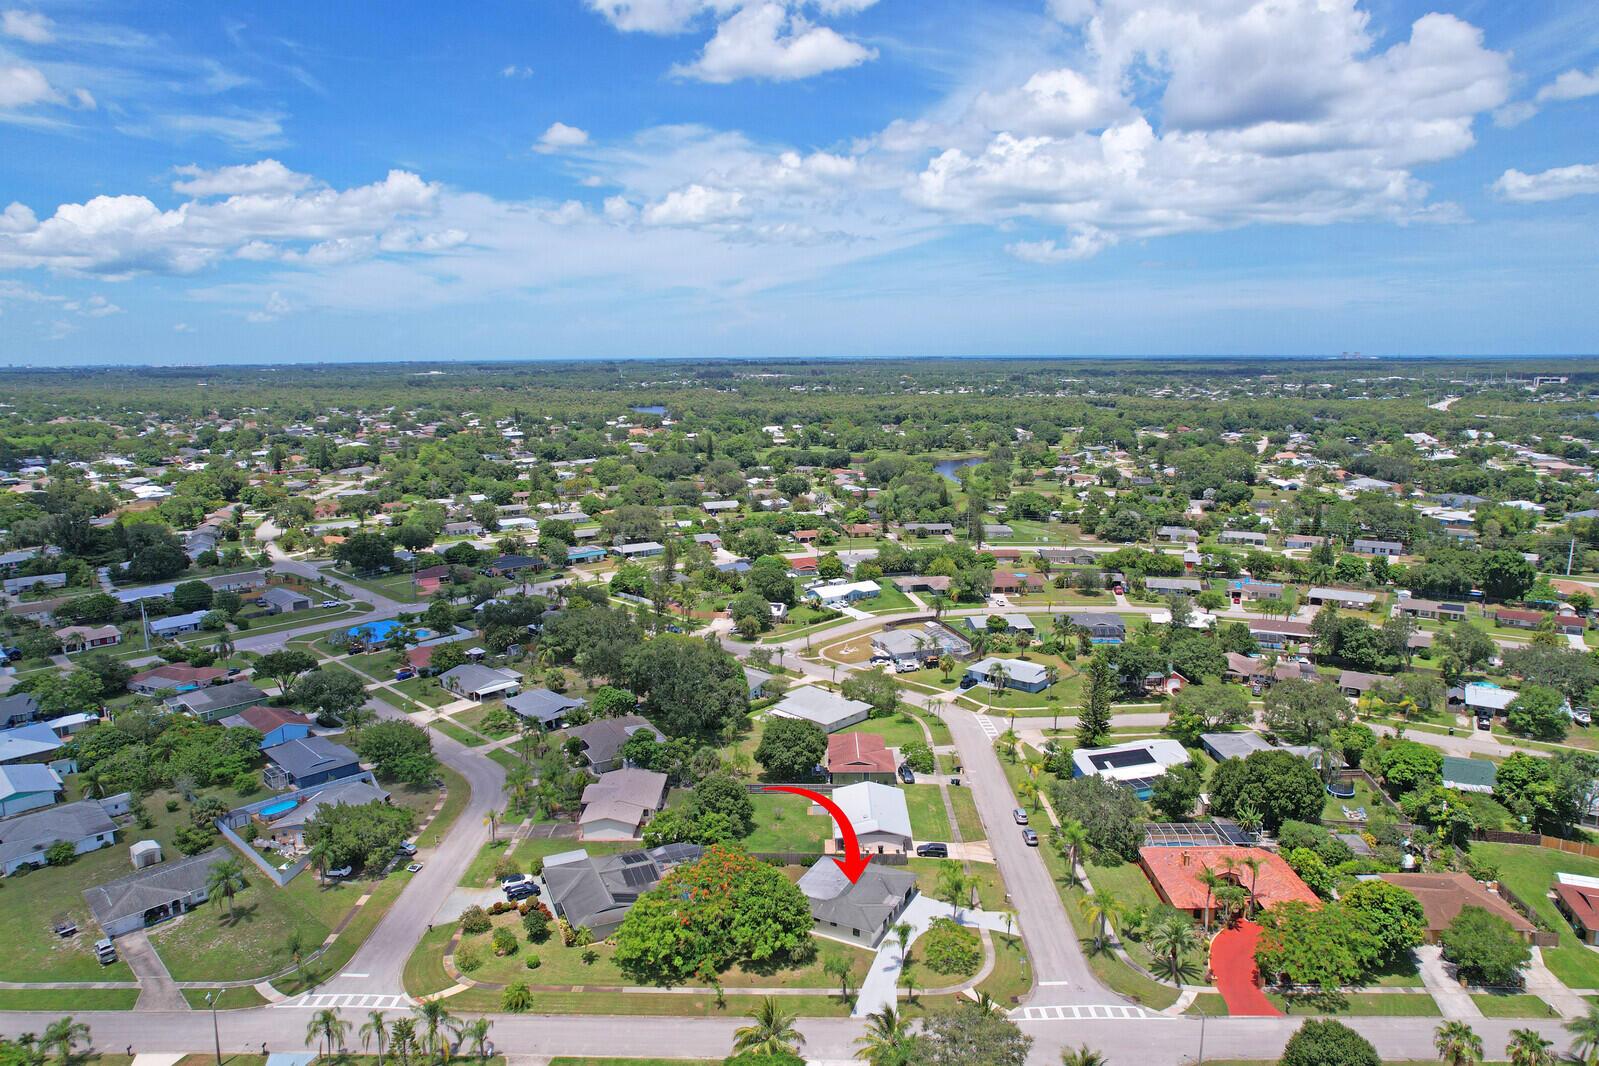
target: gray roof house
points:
(280, 600)
(827, 709)
(481, 682)
(217, 701)
(34, 742)
(153, 894)
(616, 806)
(349, 792)
(603, 739)
(18, 709)
(595, 893)
(309, 761)
(543, 706)
(861, 912)
(27, 787)
(25, 838)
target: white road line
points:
(346, 1000)
(987, 725)
(1080, 1013)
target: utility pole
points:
(1571, 551)
(213, 998)
(144, 622)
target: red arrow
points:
(854, 863)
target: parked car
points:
(328, 603)
(342, 871)
(520, 891)
(413, 868)
(933, 851)
(1030, 838)
(906, 774)
(999, 601)
(407, 847)
(404, 675)
(1020, 816)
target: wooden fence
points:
(1574, 847)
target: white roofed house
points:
(824, 708)
(881, 819)
(481, 682)
(1018, 674)
(1134, 765)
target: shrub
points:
(532, 961)
(468, 959)
(60, 853)
(517, 998)
(919, 756)
(952, 950)
(536, 924)
(1328, 1043)
(504, 942)
(1484, 948)
(500, 906)
(475, 920)
(506, 867)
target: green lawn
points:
(782, 823)
(890, 601)
(480, 872)
(896, 731)
(1365, 796)
(929, 821)
(68, 1000)
(966, 816)
(1529, 872)
(990, 888)
(457, 734)
(394, 586)
(1366, 1004)
(473, 720)
(424, 690)
(1513, 1006)
(568, 1060)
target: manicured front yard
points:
(929, 821)
(1529, 872)
(784, 823)
(1513, 1006)
(896, 731)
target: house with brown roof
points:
(277, 725)
(853, 757)
(180, 677)
(1004, 581)
(1577, 898)
(82, 638)
(1444, 895)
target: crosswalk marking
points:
(1077, 1013)
(987, 725)
(347, 1001)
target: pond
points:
(652, 409)
(946, 467)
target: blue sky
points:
(582, 178)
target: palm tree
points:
(435, 1020)
(63, 1036)
(1074, 839)
(402, 1039)
(1527, 1048)
(1083, 1056)
(1457, 1044)
(837, 966)
(952, 884)
(1100, 908)
(998, 678)
(1212, 881)
(476, 1034)
(1171, 938)
(907, 977)
(327, 1029)
(888, 1040)
(946, 664)
(223, 645)
(224, 881)
(1253, 865)
(374, 1030)
(1585, 1037)
(771, 1033)
(903, 933)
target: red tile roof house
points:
(1175, 872)
(1443, 896)
(1519, 619)
(419, 659)
(805, 536)
(860, 529)
(1579, 902)
(853, 757)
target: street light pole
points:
(1201, 1059)
(213, 998)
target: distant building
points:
(153, 894)
(1135, 764)
(217, 701)
(880, 816)
(548, 709)
(481, 682)
(308, 762)
(856, 757)
(616, 806)
(25, 838)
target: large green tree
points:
(1278, 784)
(689, 687)
(791, 749)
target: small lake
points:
(653, 409)
(947, 467)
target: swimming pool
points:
(281, 807)
(377, 632)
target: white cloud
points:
(1571, 85)
(1514, 114)
(274, 308)
(1085, 243)
(656, 16)
(23, 86)
(242, 129)
(182, 327)
(514, 70)
(560, 137)
(696, 205)
(29, 26)
(768, 40)
(96, 306)
(1557, 184)
(267, 176)
(123, 235)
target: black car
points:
(906, 774)
(521, 890)
(933, 851)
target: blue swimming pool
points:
(377, 632)
(272, 810)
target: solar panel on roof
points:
(637, 876)
(633, 858)
(1119, 759)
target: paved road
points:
(1157, 1041)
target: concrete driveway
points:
(879, 990)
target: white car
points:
(999, 601)
(343, 871)
(329, 603)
